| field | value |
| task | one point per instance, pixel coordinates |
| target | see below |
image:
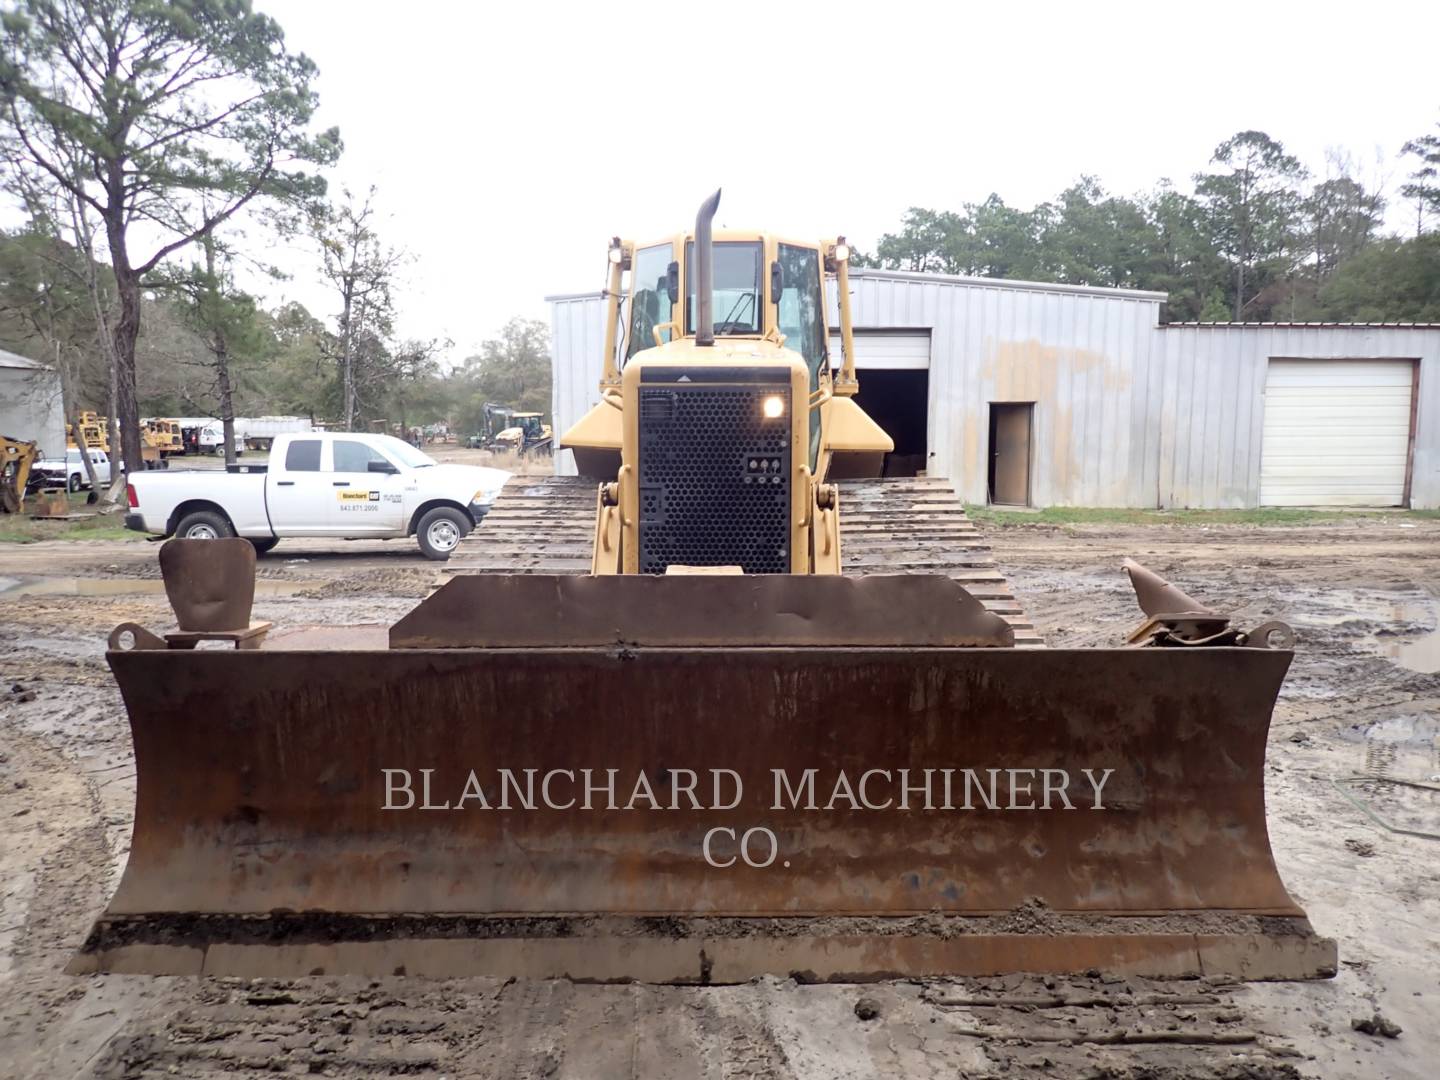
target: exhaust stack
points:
(705, 272)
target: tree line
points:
(1257, 238)
(157, 148)
(207, 348)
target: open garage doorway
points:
(899, 402)
(893, 368)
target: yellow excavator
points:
(720, 752)
(17, 458)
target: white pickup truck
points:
(70, 470)
(342, 485)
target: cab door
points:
(366, 497)
(297, 490)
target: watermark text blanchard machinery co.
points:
(787, 790)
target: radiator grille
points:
(714, 478)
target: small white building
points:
(31, 406)
(1058, 395)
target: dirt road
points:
(1363, 697)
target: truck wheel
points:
(203, 525)
(440, 531)
(74, 482)
(262, 546)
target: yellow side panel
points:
(847, 427)
(601, 428)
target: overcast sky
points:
(510, 141)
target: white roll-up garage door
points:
(886, 350)
(1337, 432)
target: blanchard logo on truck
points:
(358, 500)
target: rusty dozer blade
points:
(669, 779)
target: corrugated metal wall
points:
(30, 406)
(577, 333)
(1127, 412)
(1213, 418)
(1080, 354)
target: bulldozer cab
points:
(529, 424)
(765, 288)
(765, 302)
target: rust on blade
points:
(697, 778)
(262, 782)
(1173, 618)
(210, 583)
(1157, 596)
(700, 610)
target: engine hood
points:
(471, 477)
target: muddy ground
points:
(1362, 699)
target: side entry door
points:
(366, 498)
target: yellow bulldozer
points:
(716, 751)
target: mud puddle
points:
(1402, 627)
(1420, 654)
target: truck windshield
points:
(404, 453)
(737, 288)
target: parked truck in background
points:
(345, 485)
(69, 471)
(206, 435)
(259, 432)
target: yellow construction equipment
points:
(162, 436)
(514, 432)
(16, 459)
(95, 429)
(720, 752)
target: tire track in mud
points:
(737, 1041)
(57, 862)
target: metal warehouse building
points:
(1058, 395)
(30, 405)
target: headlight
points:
(842, 252)
(773, 406)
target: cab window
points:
(801, 318)
(303, 455)
(650, 299)
(801, 309)
(353, 456)
(737, 288)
